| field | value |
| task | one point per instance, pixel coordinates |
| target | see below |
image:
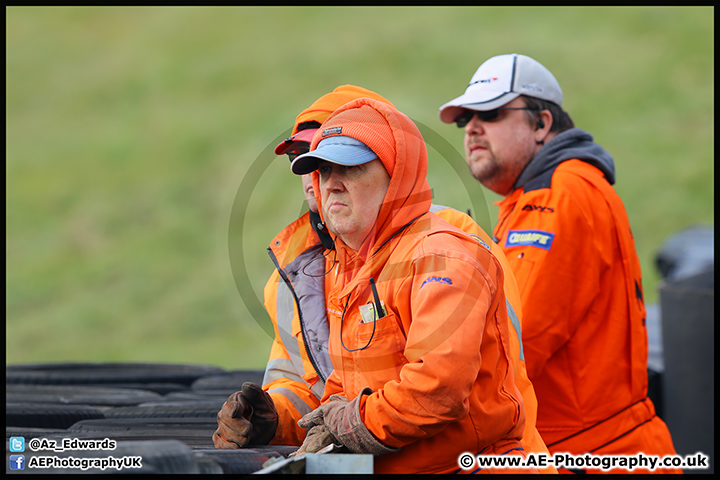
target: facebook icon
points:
(17, 462)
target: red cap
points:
(321, 109)
(289, 144)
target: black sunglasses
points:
(484, 116)
(297, 152)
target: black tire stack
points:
(163, 413)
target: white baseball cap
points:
(500, 80)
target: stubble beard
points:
(486, 170)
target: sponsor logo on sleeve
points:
(529, 238)
(540, 208)
(444, 280)
(480, 240)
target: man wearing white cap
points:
(567, 238)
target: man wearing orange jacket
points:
(294, 295)
(567, 237)
(296, 374)
(419, 330)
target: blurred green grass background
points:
(139, 149)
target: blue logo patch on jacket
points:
(532, 238)
(437, 279)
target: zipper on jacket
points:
(501, 224)
(287, 281)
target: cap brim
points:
(472, 101)
(347, 155)
(303, 136)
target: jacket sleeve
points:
(453, 343)
(291, 395)
(333, 386)
(283, 381)
(554, 254)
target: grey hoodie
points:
(573, 143)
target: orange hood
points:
(397, 142)
(321, 108)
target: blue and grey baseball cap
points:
(337, 149)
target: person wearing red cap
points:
(419, 330)
(567, 237)
(299, 364)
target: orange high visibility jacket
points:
(567, 238)
(296, 380)
(438, 362)
(299, 363)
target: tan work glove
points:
(317, 438)
(247, 417)
(340, 423)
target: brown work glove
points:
(341, 420)
(247, 417)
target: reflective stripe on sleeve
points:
(281, 368)
(516, 323)
(302, 407)
(285, 310)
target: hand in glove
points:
(317, 438)
(338, 421)
(247, 417)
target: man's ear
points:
(544, 117)
(543, 126)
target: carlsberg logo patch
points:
(532, 238)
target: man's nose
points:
(474, 126)
(333, 180)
